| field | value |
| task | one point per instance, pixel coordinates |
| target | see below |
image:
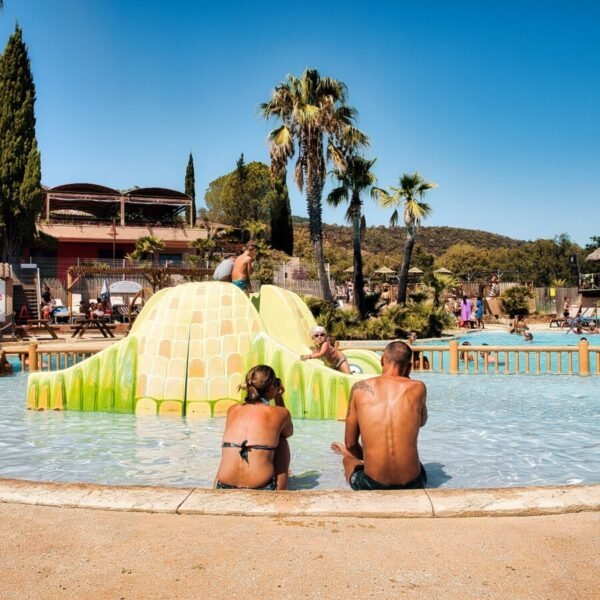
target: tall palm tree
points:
(408, 198)
(355, 179)
(315, 117)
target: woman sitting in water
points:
(255, 453)
(325, 349)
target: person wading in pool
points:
(386, 413)
(242, 268)
(256, 454)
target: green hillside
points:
(434, 240)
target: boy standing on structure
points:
(242, 268)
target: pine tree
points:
(190, 185)
(282, 230)
(20, 167)
(239, 188)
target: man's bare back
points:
(384, 416)
(242, 268)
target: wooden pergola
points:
(76, 200)
(156, 275)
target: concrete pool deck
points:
(158, 542)
(50, 552)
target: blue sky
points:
(498, 104)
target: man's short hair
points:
(398, 353)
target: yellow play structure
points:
(188, 351)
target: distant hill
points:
(435, 240)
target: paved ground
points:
(50, 553)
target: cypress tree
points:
(282, 230)
(20, 168)
(190, 185)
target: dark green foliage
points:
(392, 322)
(20, 167)
(190, 185)
(515, 300)
(240, 196)
(593, 244)
(282, 230)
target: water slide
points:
(188, 351)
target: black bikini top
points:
(245, 448)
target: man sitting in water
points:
(242, 268)
(391, 407)
(256, 454)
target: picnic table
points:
(99, 323)
(40, 324)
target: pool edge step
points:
(523, 501)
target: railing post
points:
(584, 357)
(453, 357)
(33, 357)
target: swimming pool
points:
(482, 432)
(540, 338)
(530, 359)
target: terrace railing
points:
(503, 360)
(452, 359)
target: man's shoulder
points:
(400, 382)
(365, 385)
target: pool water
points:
(540, 338)
(483, 431)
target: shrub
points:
(515, 300)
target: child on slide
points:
(325, 349)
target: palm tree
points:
(438, 284)
(355, 179)
(147, 247)
(206, 247)
(409, 198)
(314, 116)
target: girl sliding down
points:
(325, 349)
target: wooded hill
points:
(435, 240)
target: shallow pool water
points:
(548, 361)
(482, 432)
(558, 337)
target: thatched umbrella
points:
(594, 256)
(349, 270)
(415, 271)
(385, 271)
(443, 271)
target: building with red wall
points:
(84, 222)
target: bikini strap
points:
(245, 448)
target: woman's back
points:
(252, 434)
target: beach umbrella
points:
(104, 292)
(595, 255)
(443, 271)
(415, 271)
(385, 271)
(349, 270)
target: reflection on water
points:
(482, 432)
